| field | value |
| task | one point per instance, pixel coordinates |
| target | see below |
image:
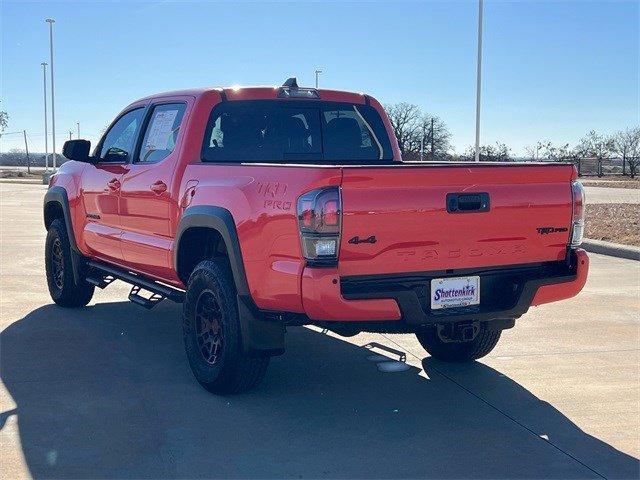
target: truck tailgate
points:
(396, 220)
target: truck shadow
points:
(105, 391)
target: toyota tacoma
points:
(260, 208)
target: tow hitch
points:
(458, 332)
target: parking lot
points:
(106, 391)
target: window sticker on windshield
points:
(161, 130)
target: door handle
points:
(113, 184)
(159, 187)
(468, 202)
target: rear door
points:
(405, 209)
(101, 183)
(148, 196)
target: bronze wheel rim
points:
(57, 264)
(208, 323)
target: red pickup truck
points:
(264, 207)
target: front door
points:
(148, 198)
(101, 184)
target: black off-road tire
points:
(214, 346)
(481, 345)
(59, 267)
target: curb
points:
(612, 249)
(21, 181)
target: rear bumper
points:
(507, 292)
(560, 291)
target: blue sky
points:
(552, 70)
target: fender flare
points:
(259, 335)
(221, 220)
(58, 194)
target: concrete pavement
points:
(597, 195)
(105, 391)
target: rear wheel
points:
(212, 336)
(443, 348)
(59, 267)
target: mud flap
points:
(260, 337)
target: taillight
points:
(319, 220)
(577, 220)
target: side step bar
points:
(101, 275)
(102, 282)
(146, 302)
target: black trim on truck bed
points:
(392, 163)
(507, 292)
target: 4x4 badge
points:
(356, 240)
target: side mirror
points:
(77, 150)
(116, 155)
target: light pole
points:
(51, 21)
(78, 124)
(26, 149)
(478, 79)
(46, 130)
(317, 72)
(433, 147)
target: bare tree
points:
(4, 120)
(405, 121)
(533, 151)
(547, 150)
(418, 132)
(625, 143)
(595, 145)
(435, 138)
(498, 152)
(628, 144)
(556, 153)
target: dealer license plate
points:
(455, 292)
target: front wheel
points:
(59, 266)
(212, 336)
(442, 348)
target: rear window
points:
(295, 132)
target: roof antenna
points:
(291, 82)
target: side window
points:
(120, 140)
(162, 132)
